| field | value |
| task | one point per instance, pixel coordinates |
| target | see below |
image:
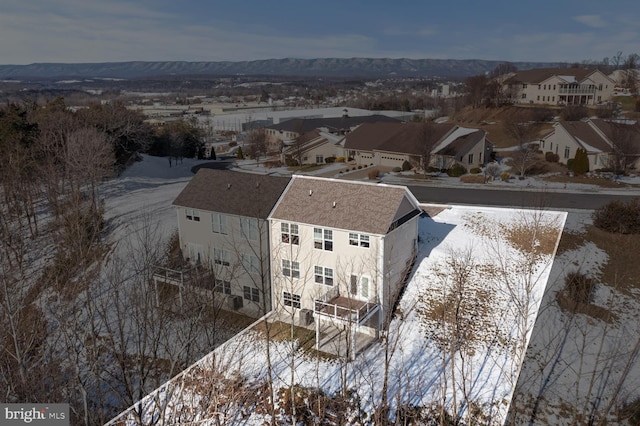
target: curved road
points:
(510, 198)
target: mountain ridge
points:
(319, 67)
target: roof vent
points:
(310, 192)
(228, 186)
(334, 204)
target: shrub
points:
(292, 162)
(475, 170)
(240, 154)
(373, 174)
(340, 160)
(493, 170)
(359, 167)
(330, 160)
(570, 163)
(618, 217)
(581, 162)
(578, 287)
(456, 170)
(504, 176)
(396, 169)
(551, 157)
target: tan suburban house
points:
(285, 133)
(222, 224)
(315, 147)
(391, 144)
(340, 253)
(609, 144)
(559, 86)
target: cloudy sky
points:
(235, 30)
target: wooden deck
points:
(344, 308)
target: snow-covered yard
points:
(491, 264)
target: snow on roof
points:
(568, 78)
(587, 147)
(493, 243)
(458, 132)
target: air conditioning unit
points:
(305, 316)
(234, 302)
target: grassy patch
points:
(628, 102)
(472, 179)
(280, 332)
(622, 268)
(526, 237)
(570, 241)
(598, 181)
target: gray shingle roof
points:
(539, 75)
(406, 138)
(359, 206)
(229, 192)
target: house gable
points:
(229, 192)
(357, 206)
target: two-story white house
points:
(222, 224)
(340, 253)
(560, 86)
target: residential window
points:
(223, 287)
(538, 98)
(544, 87)
(566, 152)
(542, 144)
(323, 275)
(252, 294)
(358, 240)
(554, 87)
(250, 263)
(539, 86)
(524, 96)
(221, 257)
(319, 159)
(249, 228)
(359, 286)
(290, 269)
(553, 99)
(291, 299)
(193, 215)
(289, 233)
(219, 223)
(524, 86)
(550, 145)
(470, 159)
(323, 239)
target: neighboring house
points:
(286, 132)
(391, 144)
(223, 230)
(559, 86)
(609, 144)
(314, 147)
(341, 251)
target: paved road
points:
(526, 198)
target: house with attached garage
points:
(611, 144)
(444, 144)
(340, 254)
(222, 226)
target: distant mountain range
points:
(325, 67)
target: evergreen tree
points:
(240, 154)
(581, 162)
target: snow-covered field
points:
(494, 262)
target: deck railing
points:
(326, 306)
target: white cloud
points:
(595, 21)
